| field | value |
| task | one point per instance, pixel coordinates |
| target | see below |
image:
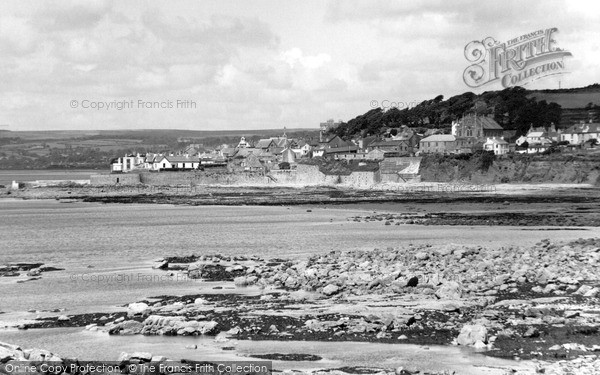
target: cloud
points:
(71, 14)
(247, 66)
(18, 37)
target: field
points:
(569, 100)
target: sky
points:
(258, 64)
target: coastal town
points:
(470, 134)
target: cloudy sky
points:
(257, 64)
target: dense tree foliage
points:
(511, 108)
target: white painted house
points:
(498, 145)
(580, 133)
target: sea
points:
(107, 252)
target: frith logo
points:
(518, 61)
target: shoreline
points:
(423, 295)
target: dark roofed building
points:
(393, 146)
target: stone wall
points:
(302, 175)
(202, 178)
(361, 179)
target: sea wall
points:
(202, 178)
(301, 175)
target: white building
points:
(580, 133)
(498, 145)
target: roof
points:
(253, 162)
(536, 134)
(368, 140)
(397, 142)
(499, 141)
(439, 138)
(583, 128)
(180, 159)
(487, 123)
(281, 142)
(336, 150)
(263, 143)
(228, 151)
(277, 150)
(246, 151)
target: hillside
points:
(514, 108)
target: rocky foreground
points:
(539, 302)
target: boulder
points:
(471, 333)
(142, 356)
(34, 272)
(330, 290)
(138, 308)
(412, 282)
(449, 290)
(421, 255)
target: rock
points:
(34, 272)
(422, 255)
(592, 292)
(241, 281)
(449, 290)
(143, 356)
(63, 318)
(130, 327)
(138, 308)
(6, 355)
(200, 301)
(571, 314)
(412, 282)
(471, 333)
(531, 332)
(583, 289)
(208, 328)
(480, 345)
(191, 346)
(330, 290)
(38, 355)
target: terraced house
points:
(580, 133)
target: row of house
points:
(470, 133)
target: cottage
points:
(176, 163)
(252, 164)
(498, 145)
(399, 147)
(439, 143)
(578, 134)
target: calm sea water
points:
(107, 250)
